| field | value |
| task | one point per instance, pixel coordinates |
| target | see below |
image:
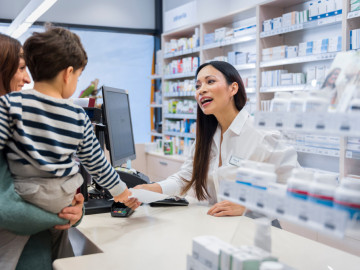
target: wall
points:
(111, 13)
(212, 9)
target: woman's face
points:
(21, 76)
(213, 94)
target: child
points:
(42, 132)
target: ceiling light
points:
(32, 11)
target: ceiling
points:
(107, 13)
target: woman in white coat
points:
(224, 134)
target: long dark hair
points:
(9, 61)
(205, 129)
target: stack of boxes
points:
(241, 28)
(316, 9)
(178, 45)
(355, 39)
(275, 78)
(274, 53)
(183, 126)
(324, 8)
(286, 20)
(241, 58)
(186, 106)
(184, 65)
(332, 44)
(315, 75)
(249, 81)
(179, 86)
(209, 252)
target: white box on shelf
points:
(330, 6)
(313, 9)
(289, 19)
(322, 7)
(267, 25)
(277, 23)
(292, 51)
(220, 33)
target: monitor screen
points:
(118, 132)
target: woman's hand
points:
(72, 213)
(134, 203)
(226, 208)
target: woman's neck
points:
(225, 118)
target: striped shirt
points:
(46, 133)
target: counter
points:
(160, 238)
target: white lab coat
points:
(242, 141)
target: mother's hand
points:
(226, 208)
(72, 213)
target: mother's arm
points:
(18, 216)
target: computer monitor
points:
(119, 138)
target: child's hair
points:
(48, 53)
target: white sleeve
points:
(174, 184)
(283, 156)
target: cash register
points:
(113, 130)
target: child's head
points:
(53, 51)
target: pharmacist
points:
(225, 134)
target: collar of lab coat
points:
(235, 127)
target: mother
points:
(17, 215)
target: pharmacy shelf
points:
(245, 66)
(180, 116)
(156, 105)
(179, 134)
(339, 124)
(155, 76)
(352, 154)
(156, 134)
(282, 88)
(353, 14)
(317, 150)
(179, 75)
(331, 222)
(179, 94)
(228, 42)
(297, 60)
(303, 26)
(180, 53)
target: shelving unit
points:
(179, 116)
(179, 134)
(287, 88)
(299, 60)
(341, 161)
(335, 25)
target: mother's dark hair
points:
(205, 129)
(9, 61)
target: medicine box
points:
(277, 23)
(267, 25)
(355, 7)
(289, 19)
(292, 51)
(220, 33)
